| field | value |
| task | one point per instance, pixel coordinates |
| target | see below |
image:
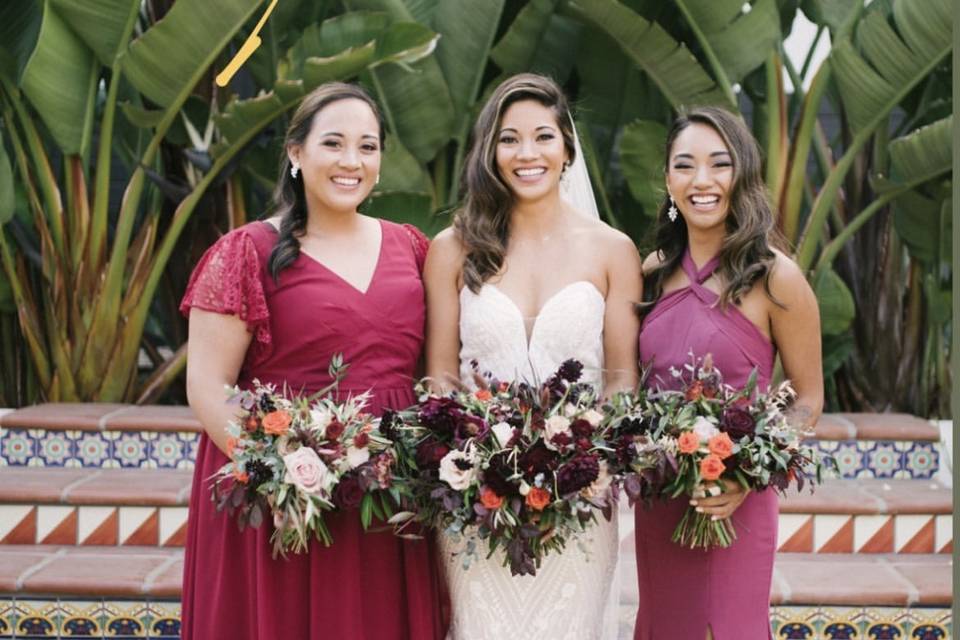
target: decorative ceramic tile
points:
(834, 533)
(861, 623)
(91, 618)
(98, 449)
(883, 458)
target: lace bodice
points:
(493, 333)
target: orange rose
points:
(231, 447)
(688, 442)
(240, 476)
(276, 423)
(722, 445)
(711, 467)
(483, 395)
(490, 499)
(538, 498)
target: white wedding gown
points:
(572, 595)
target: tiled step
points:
(91, 507)
(113, 435)
(868, 516)
(880, 445)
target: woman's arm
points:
(621, 324)
(441, 275)
(215, 352)
(795, 329)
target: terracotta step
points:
(97, 571)
(93, 506)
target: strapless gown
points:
(573, 595)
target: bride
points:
(527, 277)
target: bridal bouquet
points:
(708, 431)
(520, 466)
(293, 458)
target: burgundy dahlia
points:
(495, 476)
(570, 370)
(440, 415)
(581, 428)
(737, 422)
(577, 474)
(430, 453)
(348, 493)
(537, 459)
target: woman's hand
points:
(719, 503)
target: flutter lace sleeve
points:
(420, 244)
(227, 281)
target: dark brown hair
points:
(746, 255)
(289, 201)
(483, 220)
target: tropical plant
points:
(857, 153)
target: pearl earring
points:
(294, 170)
(672, 211)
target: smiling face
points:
(530, 152)
(340, 158)
(700, 176)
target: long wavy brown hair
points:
(747, 252)
(289, 201)
(483, 221)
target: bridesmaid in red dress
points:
(716, 285)
(275, 300)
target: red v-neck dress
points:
(366, 586)
(683, 590)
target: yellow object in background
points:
(249, 46)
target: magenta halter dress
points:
(683, 591)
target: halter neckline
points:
(703, 273)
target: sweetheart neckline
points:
(536, 319)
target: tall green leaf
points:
(104, 25)
(540, 40)
(837, 308)
(923, 154)
(415, 98)
(60, 81)
(722, 28)
(888, 62)
(641, 158)
(7, 197)
(19, 28)
(670, 64)
(167, 61)
(468, 28)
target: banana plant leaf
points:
(641, 159)
(540, 40)
(103, 25)
(675, 70)
(722, 28)
(837, 308)
(7, 197)
(468, 28)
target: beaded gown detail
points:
(682, 591)
(367, 585)
(572, 595)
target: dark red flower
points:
(737, 422)
(570, 370)
(361, 440)
(334, 430)
(430, 453)
(537, 459)
(440, 415)
(495, 476)
(581, 428)
(348, 493)
(584, 444)
(577, 474)
(561, 440)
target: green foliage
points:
(880, 184)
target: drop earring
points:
(294, 170)
(377, 181)
(672, 211)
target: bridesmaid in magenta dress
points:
(275, 300)
(715, 285)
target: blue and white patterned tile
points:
(167, 450)
(131, 449)
(882, 458)
(17, 447)
(920, 459)
(861, 623)
(92, 449)
(56, 448)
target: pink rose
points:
(306, 471)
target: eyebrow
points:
(340, 135)
(690, 155)
(543, 126)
